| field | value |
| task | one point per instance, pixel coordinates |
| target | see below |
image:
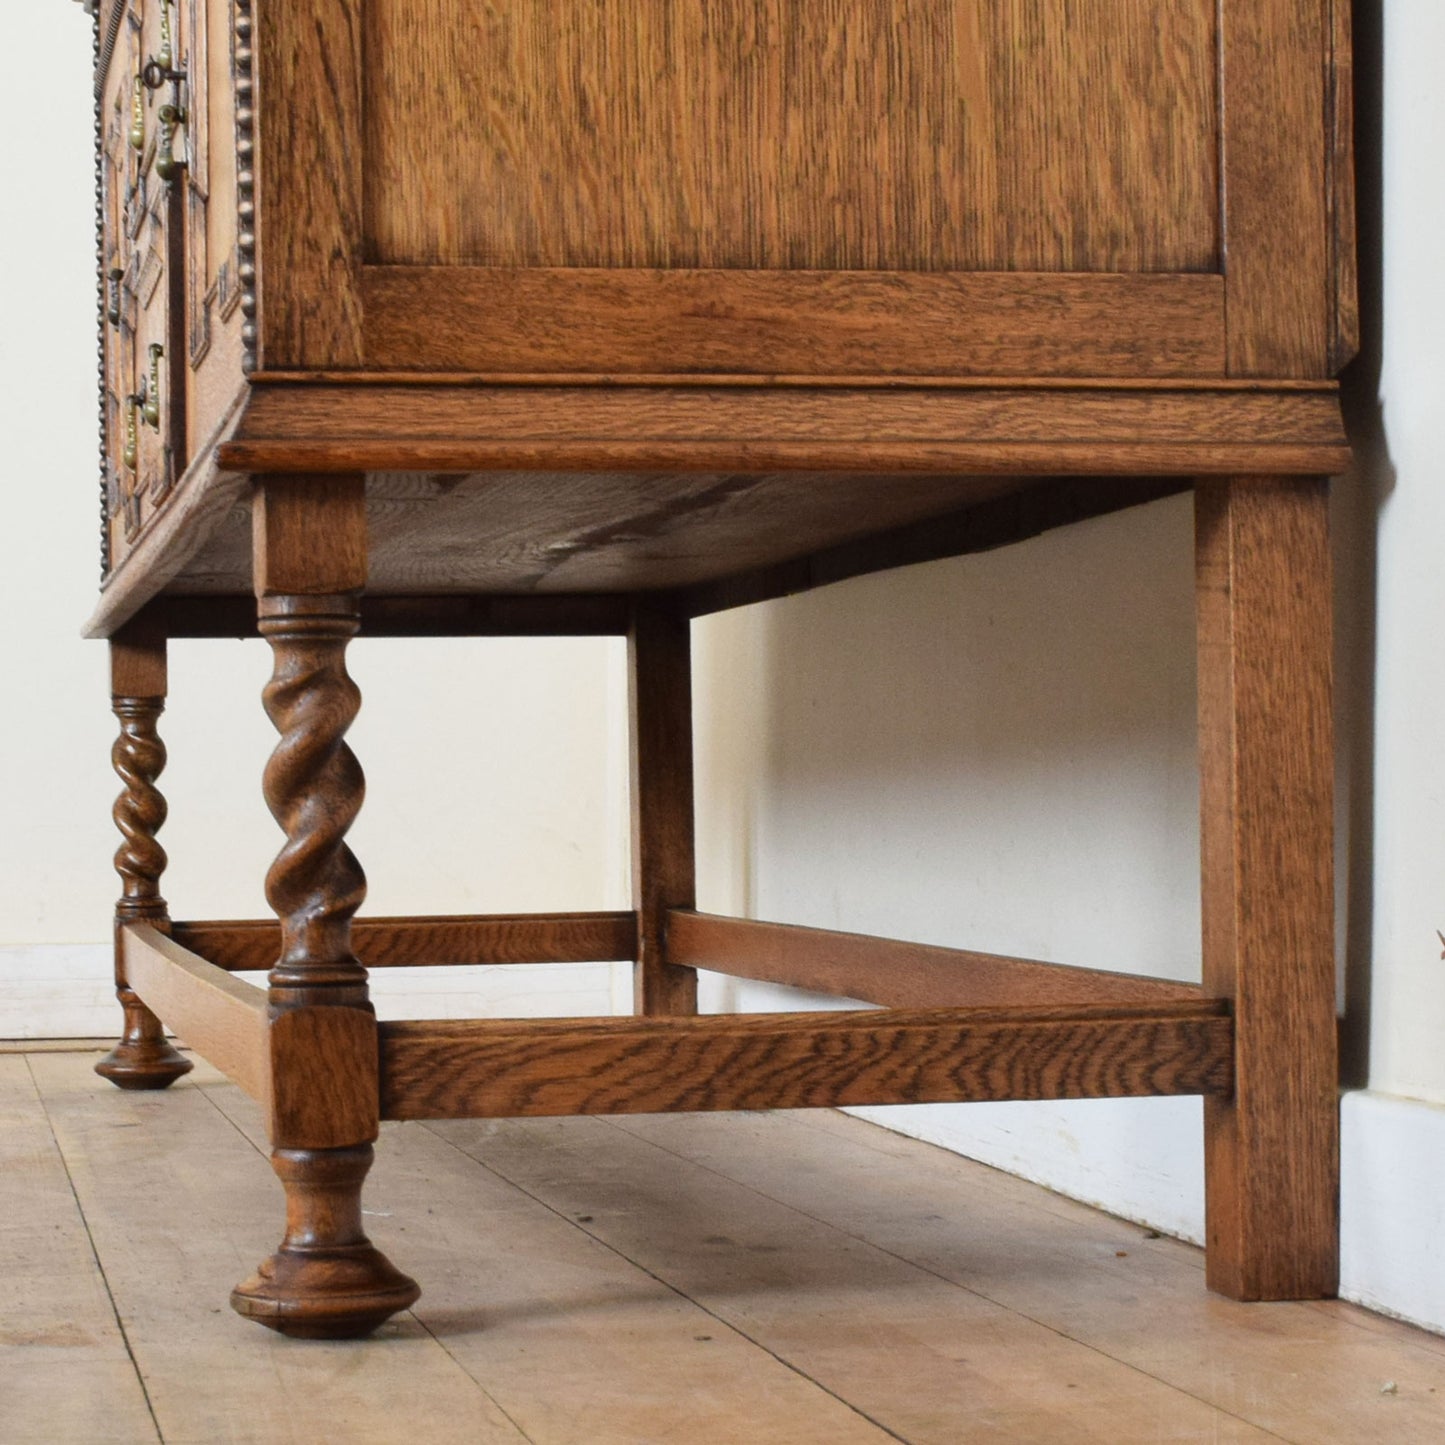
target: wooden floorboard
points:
(181, 1207)
(784, 1277)
(1307, 1372)
(64, 1370)
(933, 1363)
(579, 1345)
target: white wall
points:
(993, 752)
(1406, 470)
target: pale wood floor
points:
(738, 1279)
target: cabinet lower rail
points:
(222, 1018)
(478, 1068)
(484, 1069)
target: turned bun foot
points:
(339, 1293)
(144, 1065)
(327, 1281)
(144, 1058)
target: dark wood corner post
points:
(142, 1059)
(659, 682)
(1267, 772)
(326, 1280)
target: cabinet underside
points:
(524, 532)
(732, 493)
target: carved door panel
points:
(207, 45)
(144, 405)
(123, 210)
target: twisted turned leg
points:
(142, 1059)
(326, 1279)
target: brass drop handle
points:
(168, 165)
(112, 295)
(129, 446)
(151, 393)
(158, 71)
(138, 115)
(166, 58)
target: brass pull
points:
(129, 447)
(138, 115)
(166, 58)
(112, 295)
(158, 71)
(151, 394)
(167, 163)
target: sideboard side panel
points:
(308, 182)
(1344, 264)
(1276, 231)
(940, 135)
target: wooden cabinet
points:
(430, 317)
(869, 211)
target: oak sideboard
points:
(427, 318)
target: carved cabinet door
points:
(141, 235)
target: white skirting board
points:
(1142, 1159)
(1392, 1206)
(57, 991)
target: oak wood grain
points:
(454, 615)
(909, 430)
(776, 1061)
(893, 974)
(1127, 456)
(427, 942)
(765, 1231)
(291, 517)
(596, 534)
(659, 697)
(215, 40)
(198, 501)
(142, 1058)
(323, 1077)
(825, 134)
(325, 1280)
(1343, 262)
(313, 785)
(1267, 773)
(990, 522)
(473, 318)
(559, 302)
(1274, 59)
(139, 667)
(308, 184)
(139, 756)
(220, 1017)
(371, 376)
(509, 420)
(620, 531)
